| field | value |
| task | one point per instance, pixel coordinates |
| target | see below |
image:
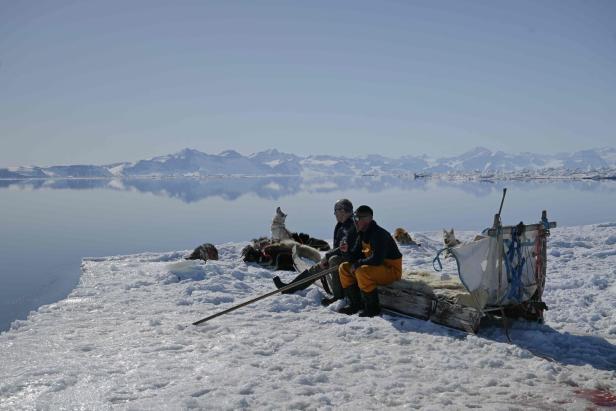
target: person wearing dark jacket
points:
(344, 233)
(374, 260)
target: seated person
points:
(344, 233)
(374, 260)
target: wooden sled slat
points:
(403, 297)
(527, 227)
(406, 301)
(456, 316)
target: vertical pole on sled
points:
(544, 249)
(543, 258)
(499, 239)
(501, 205)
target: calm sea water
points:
(47, 226)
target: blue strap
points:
(438, 260)
(514, 273)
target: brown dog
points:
(204, 252)
(403, 237)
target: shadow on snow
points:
(539, 339)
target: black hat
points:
(363, 210)
(344, 204)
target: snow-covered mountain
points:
(193, 162)
(484, 160)
(190, 162)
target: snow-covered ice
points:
(122, 339)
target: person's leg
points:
(305, 274)
(351, 289)
(335, 284)
(368, 277)
(372, 306)
(335, 260)
(333, 281)
(344, 274)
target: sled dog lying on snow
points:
(403, 237)
(204, 252)
(276, 254)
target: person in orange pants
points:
(374, 260)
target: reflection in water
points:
(190, 190)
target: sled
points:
(500, 275)
(418, 295)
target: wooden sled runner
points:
(416, 296)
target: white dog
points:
(449, 238)
(279, 230)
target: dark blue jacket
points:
(382, 246)
(343, 231)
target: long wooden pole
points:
(313, 277)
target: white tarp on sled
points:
(501, 269)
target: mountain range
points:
(194, 163)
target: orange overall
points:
(369, 276)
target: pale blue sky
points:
(104, 81)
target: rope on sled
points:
(514, 271)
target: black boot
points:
(278, 282)
(336, 290)
(291, 290)
(372, 307)
(328, 301)
(353, 295)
